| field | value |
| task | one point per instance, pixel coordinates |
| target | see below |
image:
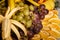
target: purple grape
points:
(42, 6)
(40, 26)
(35, 9)
(36, 29)
(41, 13)
(45, 11)
(42, 16)
(31, 28)
(30, 34)
(36, 17)
(35, 22)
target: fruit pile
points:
(31, 17)
(36, 18)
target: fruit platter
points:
(29, 20)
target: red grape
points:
(30, 34)
(45, 11)
(42, 16)
(36, 29)
(42, 6)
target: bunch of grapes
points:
(39, 13)
(24, 15)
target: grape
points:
(31, 28)
(30, 34)
(19, 18)
(14, 17)
(42, 16)
(36, 17)
(27, 18)
(45, 11)
(26, 6)
(41, 13)
(35, 8)
(42, 6)
(29, 23)
(21, 4)
(36, 29)
(21, 14)
(35, 22)
(31, 8)
(40, 26)
(26, 12)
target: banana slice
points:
(15, 31)
(7, 12)
(6, 28)
(9, 38)
(19, 25)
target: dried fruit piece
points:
(55, 20)
(6, 28)
(44, 34)
(20, 26)
(15, 31)
(51, 38)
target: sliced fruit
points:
(15, 31)
(54, 33)
(44, 34)
(21, 26)
(6, 28)
(54, 20)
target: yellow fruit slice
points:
(55, 12)
(54, 33)
(44, 34)
(36, 37)
(55, 16)
(55, 20)
(51, 38)
(55, 26)
(44, 23)
(21, 26)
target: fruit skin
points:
(49, 4)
